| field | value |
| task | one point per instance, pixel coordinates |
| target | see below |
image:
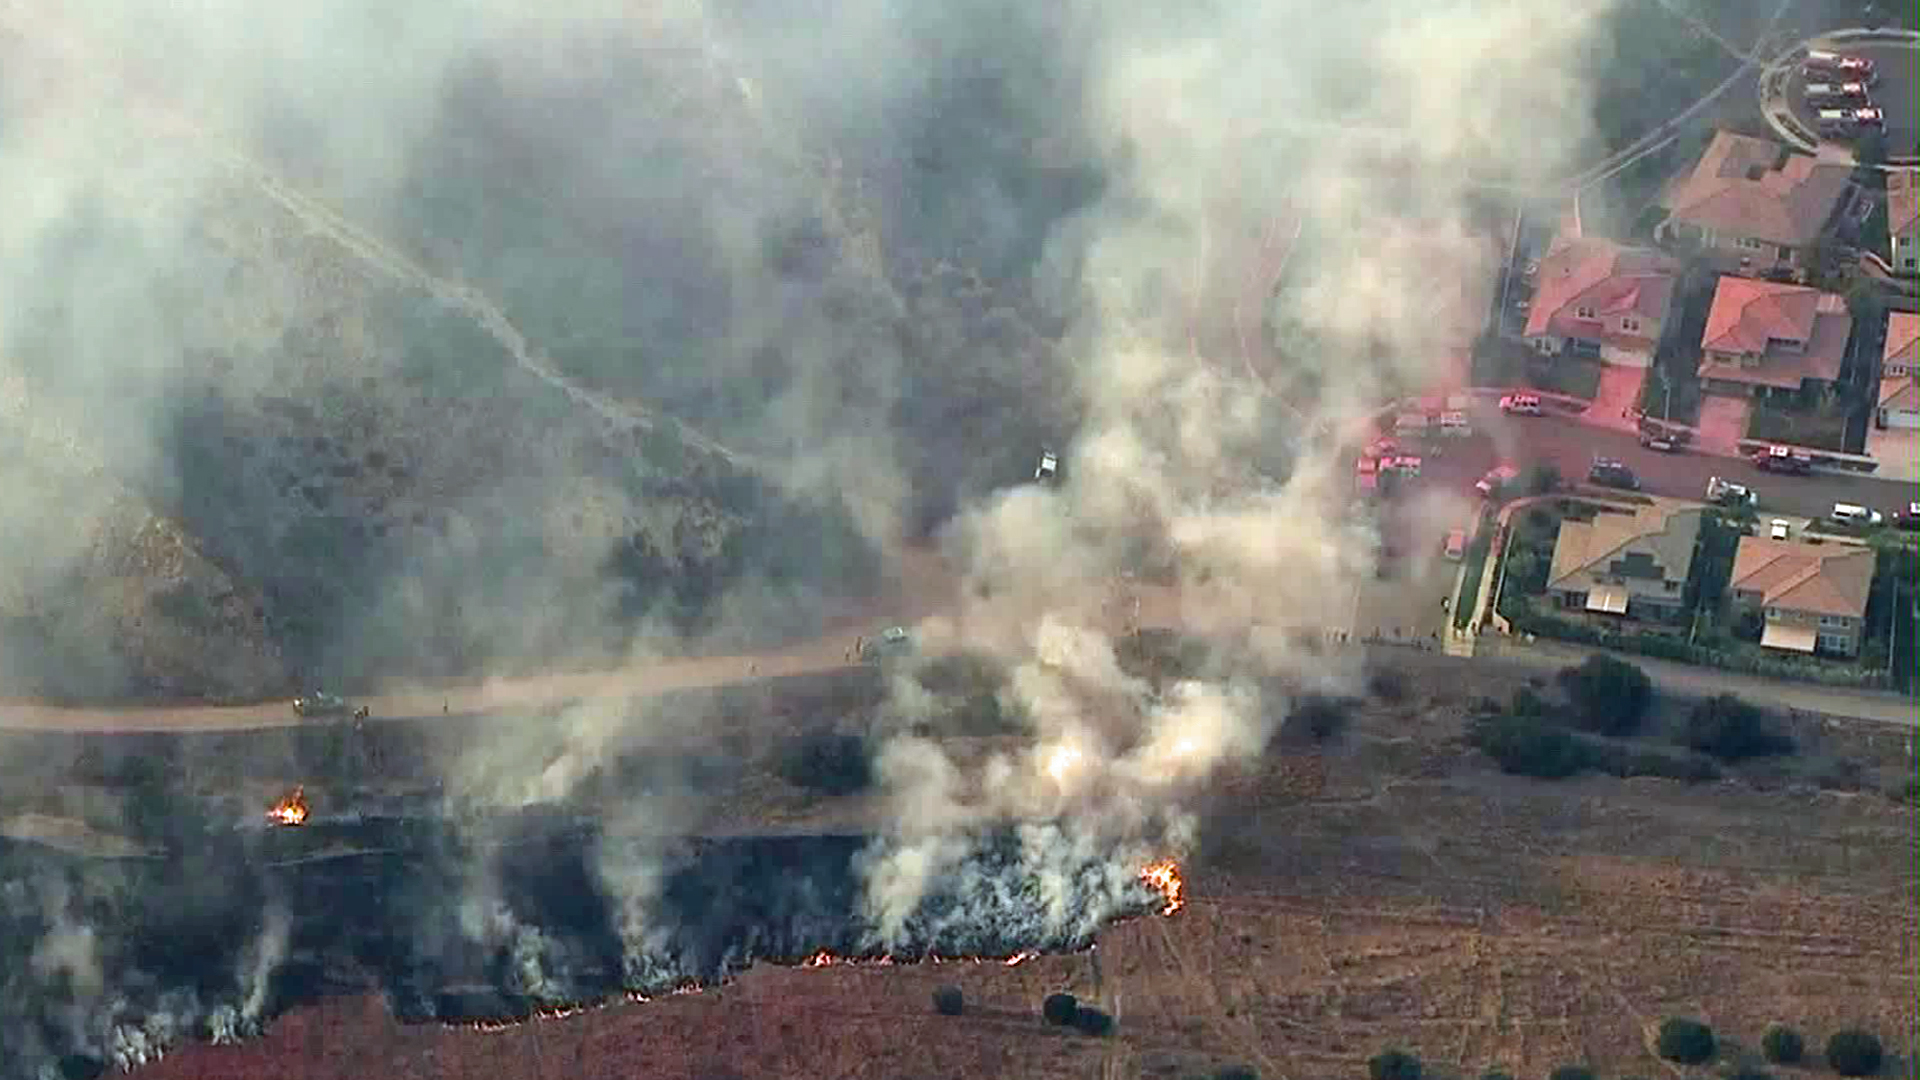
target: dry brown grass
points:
(1389, 890)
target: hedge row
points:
(1662, 647)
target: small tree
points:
(1688, 1042)
(1393, 1065)
(1059, 1008)
(1853, 1052)
(1731, 729)
(1782, 1045)
(948, 1001)
(1571, 1072)
(1527, 746)
(1092, 1021)
(1609, 696)
(1236, 1072)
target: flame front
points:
(291, 810)
(1164, 878)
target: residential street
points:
(1571, 446)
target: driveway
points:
(1723, 423)
(1615, 399)
(1898, 452)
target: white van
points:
(1850, 514)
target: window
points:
(1747, 242)
(1773, 613)
(1834, 642)
(1836, 620)
(1629, 324)
(1670, 586)
(1583, 312)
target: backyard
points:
(1708, 634)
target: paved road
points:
(1571, 446)
(1899, 82)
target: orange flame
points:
(291, 810)
(1164, 878)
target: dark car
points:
(1908, 518)
(1779, 459)
(1607, 472)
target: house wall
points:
(1646, 599)
(1625, 357)
(1906, 253)
(1841, 640)
(1903, 419)
(1740, 253)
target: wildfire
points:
(1164, 878)
(291, 810)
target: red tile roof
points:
(1903, 200)
(1826, 579)
(1607, 278)
(1903, 342)
(1751, 187)
(1748, 317)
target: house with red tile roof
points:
(1770, 337)
(1598, 299)
(1903, 220)
(1812, 597)
(1751, 205)
(1899, 405)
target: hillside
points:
(249, 451)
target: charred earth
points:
(471, 921)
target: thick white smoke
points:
(1217, 120)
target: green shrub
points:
(1853, 1052)
(1060, 1008)
(1528, 746)
(1496, 1074)
(1388, 684)
(1571, 1072)
(1316, 717)
(1092, 1021)
(1393, 1065)
(1688, 1042)
(948, 1001)
(1609, 696)
(1748, 1072)
(1782, 1045)
(828, 762)
(1236, 1072)
(1731, 730)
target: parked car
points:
(1837, 93)
(321, 704)
(1659, 441)
(1780, 459)
(1838, 123)
(1908, 518)
(1855, 514)
(1455, 547)
(1521, 404)
(1608, 472)
(1729, 494)
(1779, 529)
(1823, 63)
(1048, 468)
(1497, 481)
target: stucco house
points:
(1812, 597)
(1899, 405)
(1903, 221)
(1597, 299)
(1770, 337)
(1750, 205)
(1631, 564)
